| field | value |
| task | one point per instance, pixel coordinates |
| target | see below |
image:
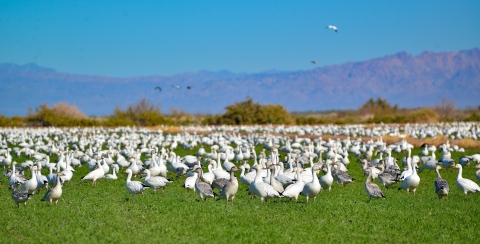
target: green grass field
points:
(107, 213)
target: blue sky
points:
(141, 38)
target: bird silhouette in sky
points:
(314, 62)
(158, 88)
(333, 28)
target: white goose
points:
(190, 182)
(326, 180)
(313, 188)
(41, 179)
(161, 165)
(293, 190)
(155, 181)
(466, 185)
(134, 187)
(16, 179)
(54, 193)
(246, 178)
(260, 188)
(112, 176)
(219, 172)
(208, 177)
(31, 184)
(477, 174)
(94, 175)
(154, 168)
(411, 182)
(273, 181)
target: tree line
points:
(247, 112)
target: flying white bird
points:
(332, 27)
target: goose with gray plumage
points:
(231, 187)
(203, 189)
(21, 196)
(441, 185)
(372, 189)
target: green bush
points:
(15, 121)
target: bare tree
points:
(445, 109)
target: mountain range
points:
(402, 79)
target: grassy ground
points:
(107, 213)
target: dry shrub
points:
(464, 143)
(64, 109)
(423, 115)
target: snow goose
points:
(408, 171)
(465, 185)
(246, 179)
(112, 176)
(429, 164)
(218, 171)
(53, 194)
(372, 189)
(52, 178)
(441, 185)
(411, 182)
(42, 181)
(203, 189)
(21, 196)
(68, 173)
(342, 177)
(16, 179)
(190, 182)
(260, 188)
(134, 187)
(293, 190)
(219, 183)
(373, 170)
(133, 167)
(94, 175)
(153, 167)
(386, 178)
(273, 181)
(161, 165)
(281, 177)
(155, 181)
(326, 180)
(231, 187)
(477, 175)
(208, 177)
(312, 188)
(447, 163)
(31, 184)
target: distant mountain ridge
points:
(403, 79)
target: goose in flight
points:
(158, 88)
(189, 87)
(333, 28)
(176, 87)
(314, 62)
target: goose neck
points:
(459, 171)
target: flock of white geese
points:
(211, 173)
